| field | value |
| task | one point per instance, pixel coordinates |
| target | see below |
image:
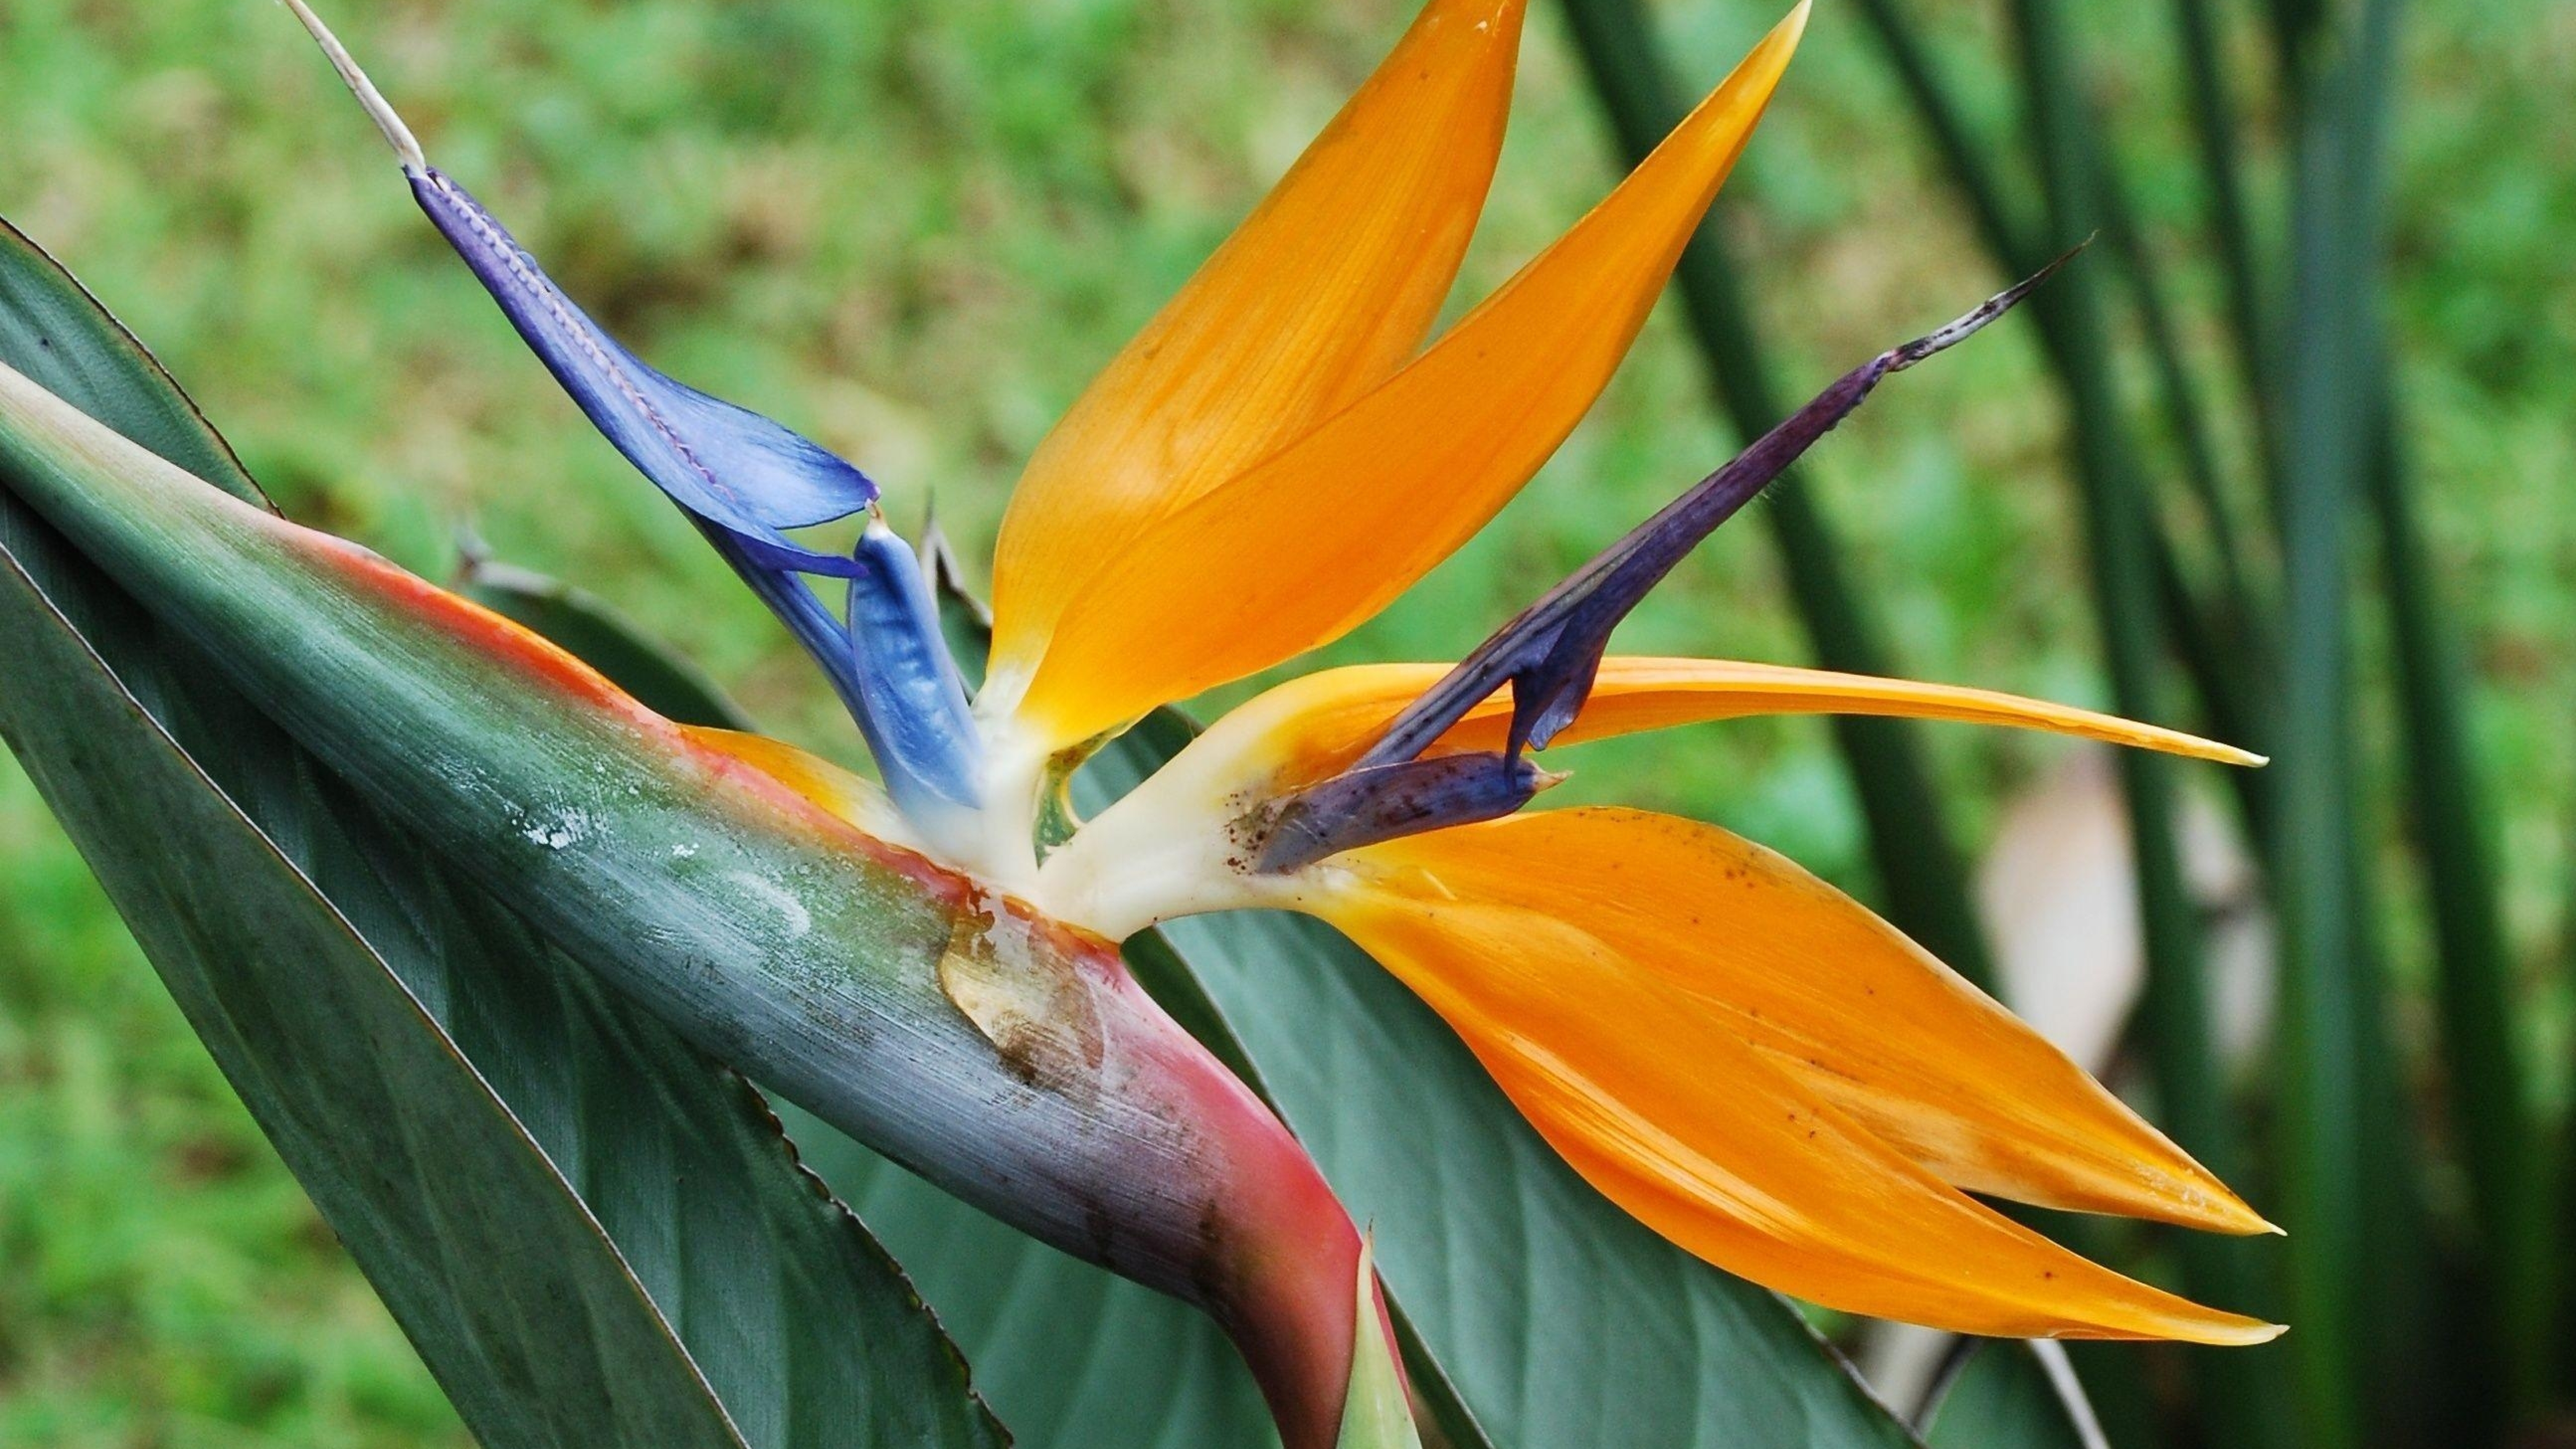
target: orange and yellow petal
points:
(1637, 694)
(1837, 999)
(1322, 293)
(1648, 1092)
(1317, 724)
(1325, 532)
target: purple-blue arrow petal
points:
(1364, 806)
(1551, 652)
(744, 480)
(917, 719)
(728, 465)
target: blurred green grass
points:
(912, 230)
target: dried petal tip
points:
(377, 107)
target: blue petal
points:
(743, 480)
(728, 465)
(917, 718)
(892, 671)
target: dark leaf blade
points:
(807, 1332)
(56, 333)
(2355, 1283)
(1073, 1357)
(2494, 1110)
(401, 1145)
(949, 1028)
(2007, 1394)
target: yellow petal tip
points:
(2219, 752)
(2215, 751)
(1792, 27)
(2222, 1211)
(2211, 1327)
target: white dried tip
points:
(378, 109)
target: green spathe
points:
(775, 938)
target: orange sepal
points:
(1324, 533)
(1326, 289)
(1647, 1090)
(1841, 1001)
(851, 798)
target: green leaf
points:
(642, 1261)
(2007, 1394)
(58, 335)
(1152, 1373)
(1071, 1356)
(591, 628)
(1374, 1412)
(2355, 1290)
(2495, 1118)
(770, 934)
(477, 1244)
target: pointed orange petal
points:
(1646, 1091)
(1324, 291)
(1305, 545)
(1650, 694)
(1317, 724)
(1860, 1016)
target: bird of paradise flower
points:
(1749, 1061)
(1742, 1057)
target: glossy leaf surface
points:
(645, 1246)
(482, 1251)
(2003, 1397)
(1150, 1372)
